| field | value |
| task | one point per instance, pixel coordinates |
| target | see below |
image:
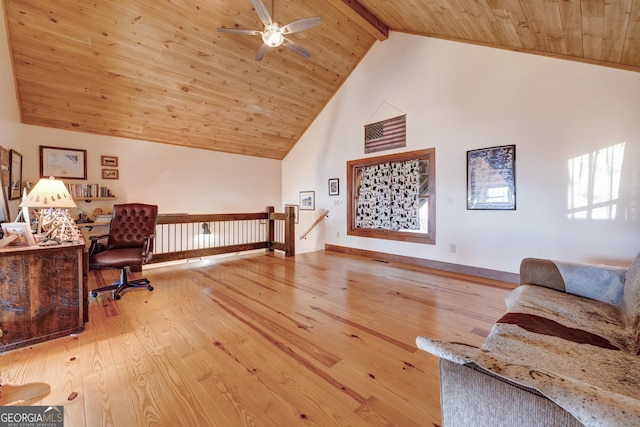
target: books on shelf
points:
(79, 191)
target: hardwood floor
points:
(319, 339)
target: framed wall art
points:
(4, 156)
(491, 178)
(109, 161)
(110, 174)
(63, 163)
(334, 187)
(15, 175)
(308, 200)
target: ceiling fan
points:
(273, 34)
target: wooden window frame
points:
(404, 236)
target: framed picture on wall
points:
(491, 178)
(110, 174)
(334, 187)
(109, 161)
(63, 163)
(308, 200)
(15, 175)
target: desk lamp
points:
(52, 198)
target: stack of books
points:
(103, 218)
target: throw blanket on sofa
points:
(599, 386)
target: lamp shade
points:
(48, 193)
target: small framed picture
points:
(334, 187)
(110, 174)
(308, 200)
(296, 212)
(21, 230)
(109, 161)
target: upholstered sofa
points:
(565, 353)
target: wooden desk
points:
(43, 293)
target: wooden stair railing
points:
(323, 214)
(184, 236)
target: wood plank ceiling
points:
(160, 71)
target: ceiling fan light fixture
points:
(272, 35)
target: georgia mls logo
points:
(32, 416)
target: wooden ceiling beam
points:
(363, 17)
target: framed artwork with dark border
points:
(491, 178)
(63, 163)
(334, 187)
(109, 161)
(15, 175)
(307, 200)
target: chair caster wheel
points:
(93, 294)
(116, 297)
(150, 287)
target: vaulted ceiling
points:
(158, 70)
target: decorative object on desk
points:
(68, 163)
(334, 187)
(5, 241)
(308, 200)
(109, 161)
(110, 174)
(491, 178)
(15, 175)
(51, 197)
(22, 231)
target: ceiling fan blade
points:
(262, 12)
(297, 48)
(262, 51)
(240, 31)
(301, 24)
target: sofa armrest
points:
(471, 396)
(599, 282)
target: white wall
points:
(177, 179)
(459, 97)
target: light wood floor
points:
(320, 339)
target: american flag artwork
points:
(385, 135)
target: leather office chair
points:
(129, 245)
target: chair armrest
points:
(147, 249)
(93, 248)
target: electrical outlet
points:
(452, 248)
(338, 234)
